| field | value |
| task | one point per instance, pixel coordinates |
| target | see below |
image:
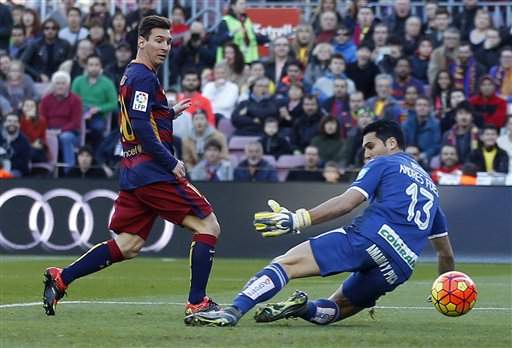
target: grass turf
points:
(162, 285)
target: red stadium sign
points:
(274, 22)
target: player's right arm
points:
(441, 243)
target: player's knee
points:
(211, 225)
(130, 245)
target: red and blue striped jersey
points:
(145, 121)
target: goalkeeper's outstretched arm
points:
(336, 206)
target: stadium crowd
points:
(296, 115)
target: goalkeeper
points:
(380, 247)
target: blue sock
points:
(98, 257)
(263, 286)
(322, 312)
(202, 251)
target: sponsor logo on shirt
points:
(393, 239)
(133, 151)
(140, 101)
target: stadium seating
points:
(237, 144)
(287, 162)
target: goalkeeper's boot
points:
(228, 316)
(54, 289)
(295, 306)
(206, 305)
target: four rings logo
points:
(81, 203)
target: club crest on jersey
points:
(140, 101)
(362, 173)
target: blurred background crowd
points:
(292, 111)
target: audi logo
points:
(41, 236)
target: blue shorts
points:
(374, 272)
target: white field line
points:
(145, 303)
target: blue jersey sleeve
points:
(369, 177)
(144, 125)
(439, 225)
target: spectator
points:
(202, 132)
(444, 55)
(60, 13)
(319, 62)
(362, 71)
(144, 8)
(324, 86)
(254, 168)
(379, 42)
(303, 42)
(221, 92)
(99, 98)
(249, 116)
(343, 44)
(488, 104)
(441, 22)
(275, 68)
(394, 51)
(18, 42)
(86, 168)
(256, 70)
(63, 111)
(328, 25)
(73, 32)
(465, 20)
(31, 24)
(383, 105)
(5, 26)
(311, 171)
(423, 130)
(364, 26)
(118, 31)
(234, 59)
(403, 79)
(420, 60)
(328, 141)
(98, 13)
(466, 71)
(16, 13)
(44, 56)
(212, 167)
(409, 102)
(338, 107)
(190, 89)
(396, 21)
(273, 143)
(236, 26)
(414, 152)
(440, 92)
(290, 109)
(448, 118)
(75, 66)
(355, 102)
(489, 157)
(16, 145)
(412, 35)
(197, 52)
(324, 6)
(483, 22)
(308, 125)
(450, 166)
(505, 142)
(115, 70)
(489, 53)
(294, 75)
(5, 107)
(102, 46)
(502, 73)
(464, 134)
(179, 26)
(33, 127)
(331, 173)
(18, 86)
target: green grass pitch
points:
(139, 304)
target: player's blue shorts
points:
(374, 272)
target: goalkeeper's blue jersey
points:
(404, 209)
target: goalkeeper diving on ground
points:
(380, 247)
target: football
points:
(454, 294)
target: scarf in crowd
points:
(503, 80)
(452, 136)
(465, 77)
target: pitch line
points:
(145, 303)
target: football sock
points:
(263, 286)
(98, 257)
(202, 251)
(322, 312)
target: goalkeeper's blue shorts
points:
(374, 272)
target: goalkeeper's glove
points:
(280, 220)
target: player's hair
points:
(151, 22)
(384, 130)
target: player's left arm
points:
(441, 243)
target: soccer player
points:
(152, 179)
(380, 247)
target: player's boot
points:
(54, 289)
(293, 307)
(228, 316)
(206, 305)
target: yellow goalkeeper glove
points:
(280, 220)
